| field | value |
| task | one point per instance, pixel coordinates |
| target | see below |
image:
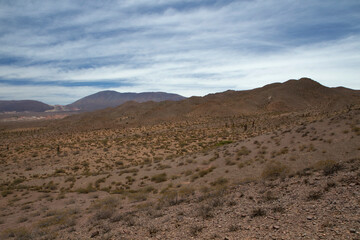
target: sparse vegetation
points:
(192, 176)
(275, 169)
(159, 178)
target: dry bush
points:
(202, 173)
(221, 181)
(159, 178)
(195, 230)
(88, 189)
(61, 218)
(205, 211)
(20, 233)
(103, 213)
(275, 169)
(314, 195)
(258, 212)
(328, 166)
(244, 151)
(269, 196)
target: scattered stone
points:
(309, 217)
(94, 234)
(276, 227)
(352, 230)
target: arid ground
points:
(261, 175)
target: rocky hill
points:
(107, 99)
(290, 96)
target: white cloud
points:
(192, 51)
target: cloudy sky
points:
(60, 51)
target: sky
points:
(60, 51)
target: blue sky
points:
(60, 51)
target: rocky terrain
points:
(285, 172)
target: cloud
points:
(187, 47)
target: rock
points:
(352, 230)
(309, 217)
(276, 227)
(94, 234)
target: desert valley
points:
(277, 162)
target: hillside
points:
(229, 165)
(195, 180)
(291, 96)
(107, 99)
(23, 106)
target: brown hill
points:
(23, 106)
(107, 99)
(290, 96)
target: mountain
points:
(107, 99)
(23, 106)
(291, 96)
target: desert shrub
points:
(328, 166)
(195, 230)
(202, 173)
(329, 185)
(269, 196)
(279, 209)
(314, 195)
(118, 217)
(244, 151)
(159, 178)
(356, 130)
(258, 212)
(186, 192)
(22, 219)
(162, 166)
(104, 213)
(234, 228)
(6, 192)
(70, 179)
(216, 202)
(107, 202)
(59, 171)
(275, 169)
(170, 197)
(20, 233)
(129, 220)
(220, 181)
(88, 189)
(153, 230)
(205, 211)
(137, 196)
(221, 143)
(62, 218)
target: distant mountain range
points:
(23, 106)
(291, 96)
(92, 102)
(107, 99)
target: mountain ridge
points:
(23, 106)
(304, 94)
(109, 98)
